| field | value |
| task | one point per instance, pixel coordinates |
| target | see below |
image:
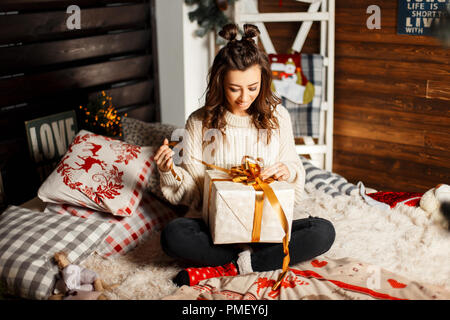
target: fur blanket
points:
(398, 253)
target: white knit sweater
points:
(241, 139)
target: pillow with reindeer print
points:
(100, 173)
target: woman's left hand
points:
(279, 171)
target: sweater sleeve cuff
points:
(168, 179)
(292, 171)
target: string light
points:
(101, 116)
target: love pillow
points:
(100, 173)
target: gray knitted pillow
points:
(329, 182)
(142, 133)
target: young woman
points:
(245, 118)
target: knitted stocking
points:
(192, 276)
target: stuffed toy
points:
(77, 283)
(436, 202)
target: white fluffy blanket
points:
(401, 240)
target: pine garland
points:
(208, 15)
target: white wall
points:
(183, 61)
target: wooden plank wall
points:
(392, 104)
(46, 68)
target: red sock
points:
(192, 276)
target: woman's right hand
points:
(163, 157)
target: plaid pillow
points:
(142, 133)
(100, 173)
(28, 241)
(151, 215)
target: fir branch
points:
(208, 16)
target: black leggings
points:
(189, 240)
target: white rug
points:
(400, 240)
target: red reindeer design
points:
(94, 149)
(88, 162)
(288, 282)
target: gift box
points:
(229, 210)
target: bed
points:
(379, 253)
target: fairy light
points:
(101, 116)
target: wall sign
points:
(49, 138)
(416, 16)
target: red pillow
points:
(391, 198)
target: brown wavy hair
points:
(240, 55)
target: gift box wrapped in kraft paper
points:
(229, 210)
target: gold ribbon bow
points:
(248, 173)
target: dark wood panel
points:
(438, 90)
(363, 4)
(360, 33)
(358, 16)
(367, 95)
(410, 136)
(24, 58)
(20, 89)
(386, 87)
(393, 52)
(48, 25)
(391, 150)
(14, 5)
(133, 94)
(382, 181)
(9, 146)
(382, 116)
(392, 69)
(155, 98)
(286, 6)
(46, 68)
(12, 121)
(395, 167)
(439, 141)
(143, 113)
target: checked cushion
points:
(151, 215)
(28, 241)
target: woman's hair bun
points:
(250, 31)
(229, 32)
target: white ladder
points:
(246, 11)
